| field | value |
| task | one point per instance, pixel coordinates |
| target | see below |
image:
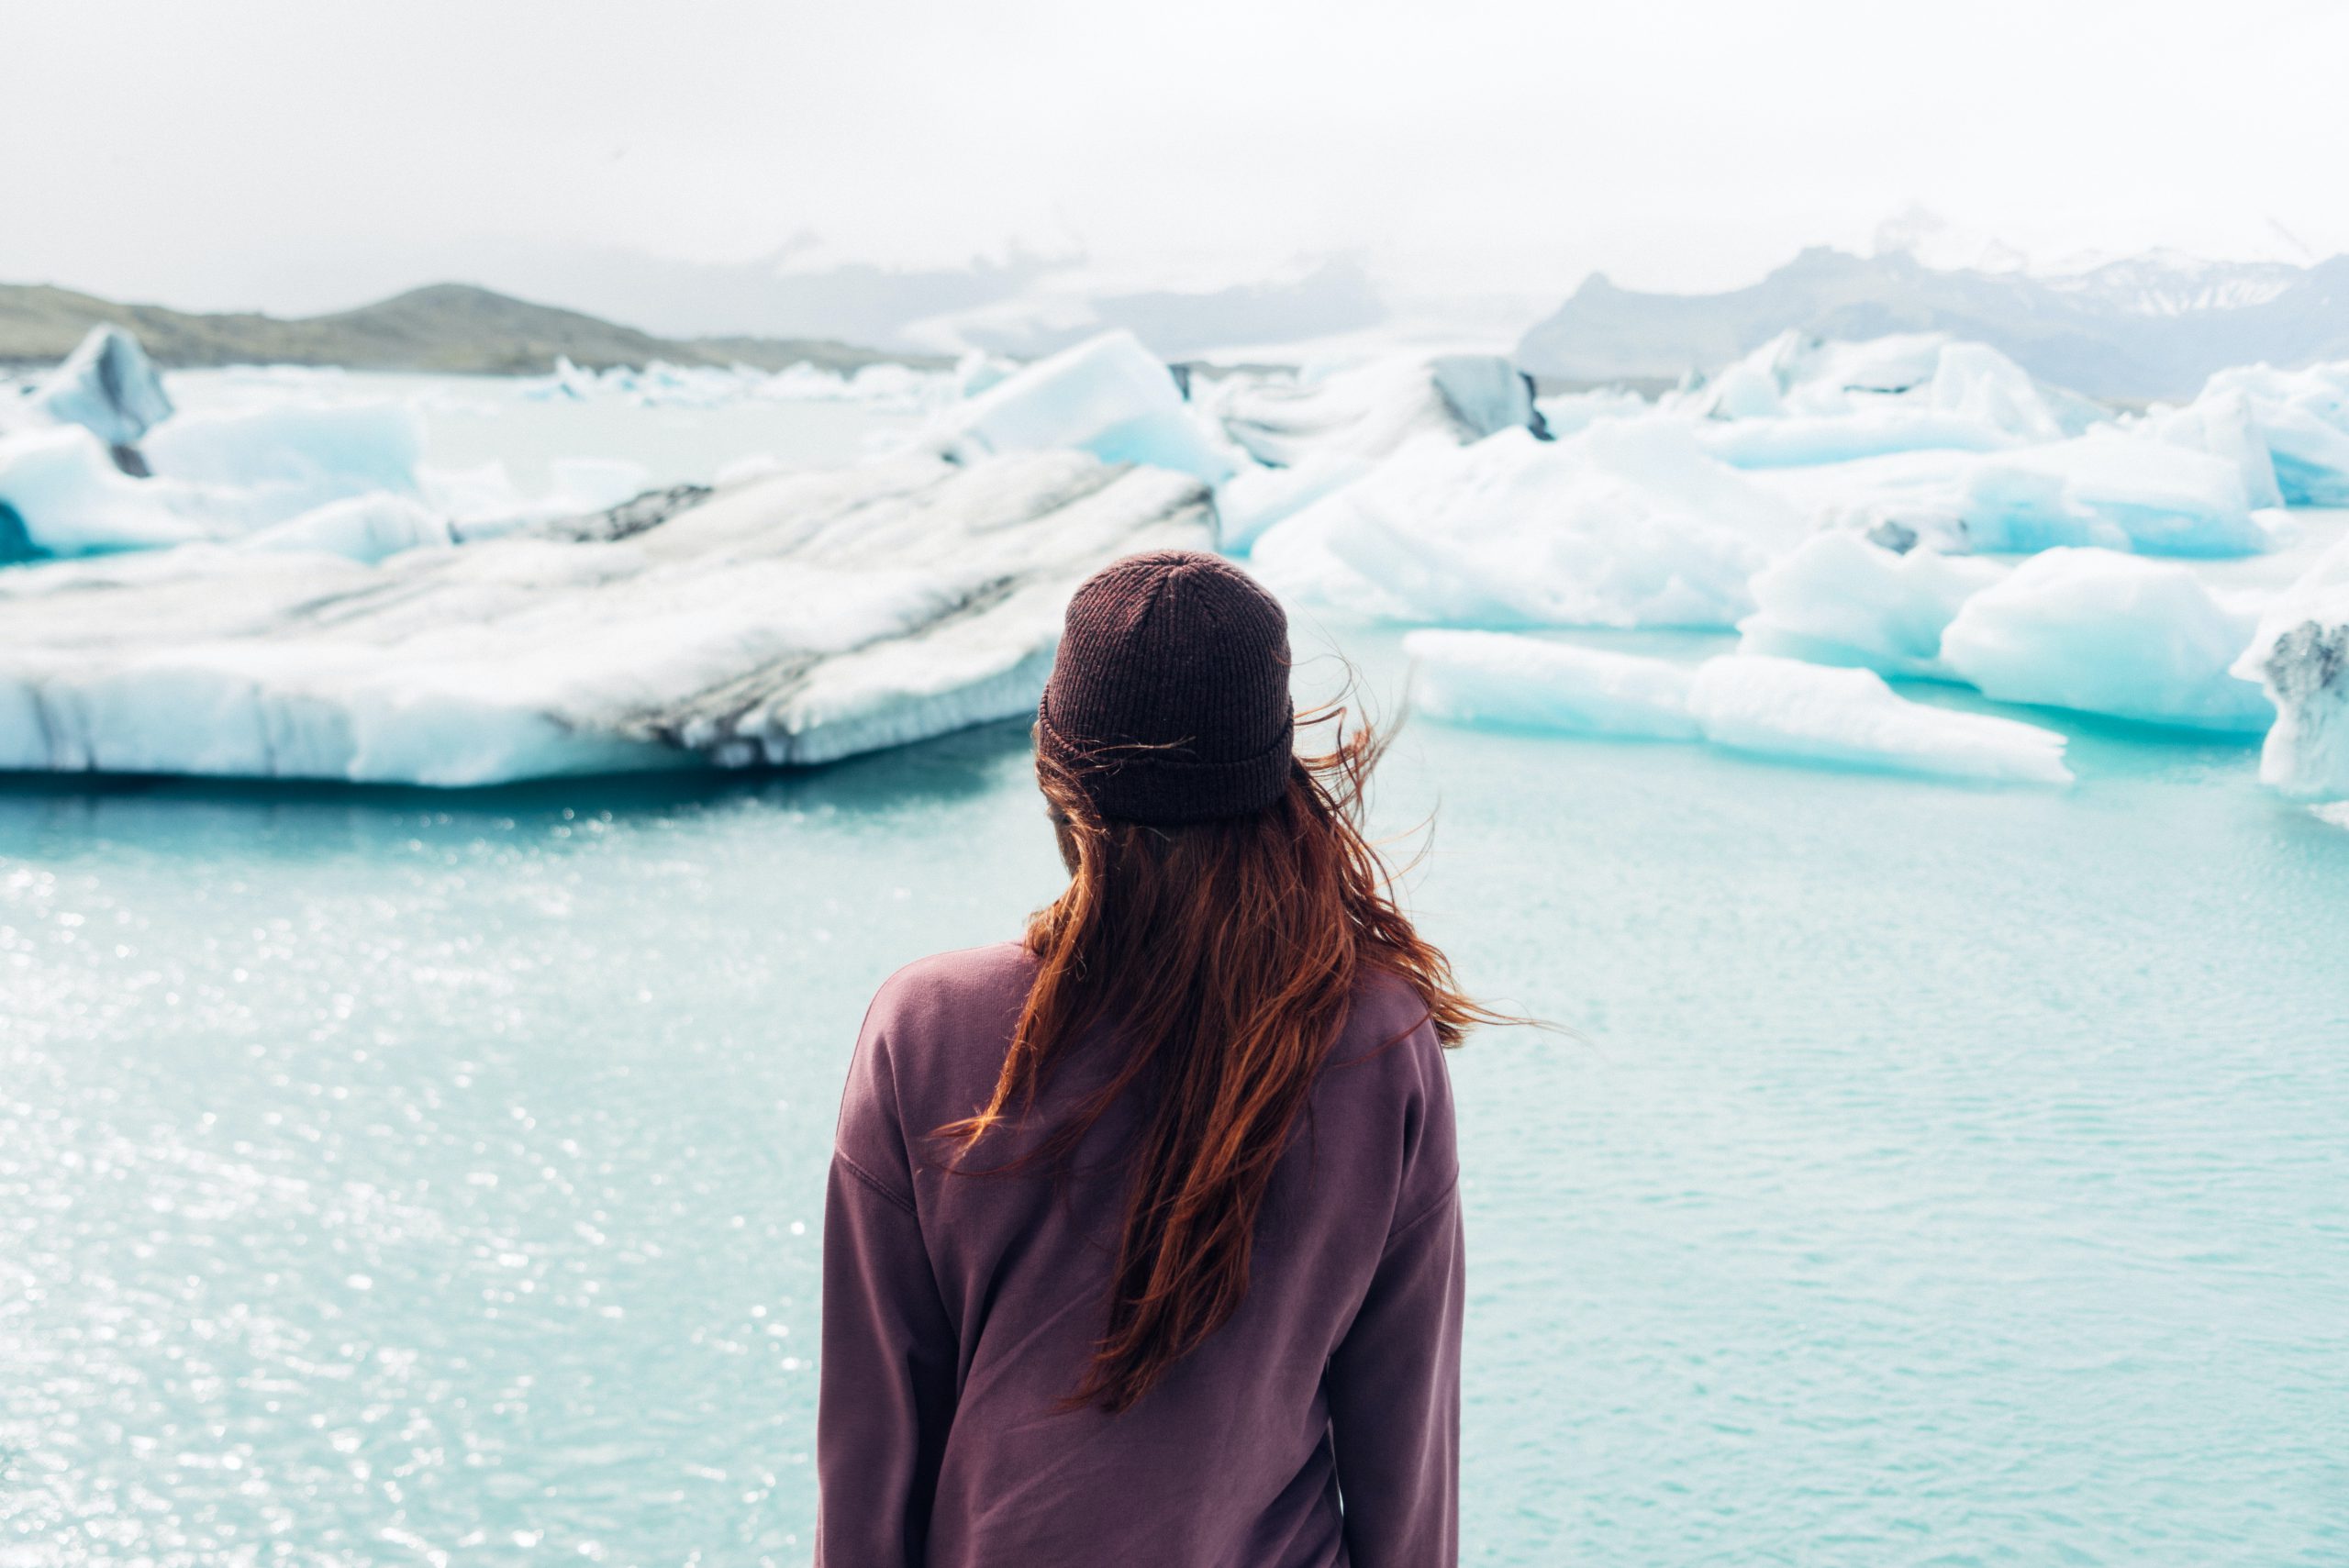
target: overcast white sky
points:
(299, 156)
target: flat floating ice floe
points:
(793, 620)
(1777, 707)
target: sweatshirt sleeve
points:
(1394, 1383)
(886, 1384)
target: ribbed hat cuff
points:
(1159, 785)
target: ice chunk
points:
(2300, 656)
(2117, 489)
(1256, 497)
(1109, 395)
(1567, 413)
(69, 498)
(2166, 499)
(363, 528)
(789, 619)
(1803, 439)
(1370, 410)
(2302, 418)
(1846, 399)
(1491, 677)
(1840, 599)
(1850, 718)
(2222, 424)
(290, 455)
(2109, 633)
(978, 370)
(108, 386)
(1779, 707)
(1628, 523)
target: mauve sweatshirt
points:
(1318, 1427)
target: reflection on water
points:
(1948, 1174)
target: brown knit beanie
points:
(1169, 702)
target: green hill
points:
(452, 328)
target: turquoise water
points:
(1943, 1175)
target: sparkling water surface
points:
(1938, 1174)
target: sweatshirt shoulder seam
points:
(1434, 1206)
(876, 1183)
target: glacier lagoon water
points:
(1943, 1175)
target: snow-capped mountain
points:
(2138, 328)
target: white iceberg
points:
(2223, 424)
(2119, 490)
(1565, 413)
(2101, 632)
(1109, 395)
(1627, 524)
(1799, 400)
(1371, 410)
(1256, 497)
(1783, 707)
(1840, 599)
(793, 620)
(362, 528)
(2302, 418)
(289, 455)
(68, 496)
(1494, 677)
(1777, 707)
(215, 474)
(108, 386)
(2300, 657)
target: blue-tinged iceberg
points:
(1308, 433)
(2113, 634)
(1844, 599)
(2120, 490)
(1777, 707)
(1628, 523)
(1798, 400)
(2300, 417)
(796, 619)
(107, 386)
(1107, 395)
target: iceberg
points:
(108, 387)
(1778, 707)
(2101, 632)
(1372, 410)
(68, 496)
(211, 476)
(2302, 418)
(1568, 413)
(2300, 657)
(1107, 395)
(1494, 677)
(1801, 400)
(1784, 707)
(290, 455)
(1840, 599)
(2223, 424)
(1628, 523)
(1256, 497)
(2115, 489)
(791, 619)
(363, 528)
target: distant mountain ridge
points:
(450, 327)
(2136, 329)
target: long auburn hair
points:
(1224, 953)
